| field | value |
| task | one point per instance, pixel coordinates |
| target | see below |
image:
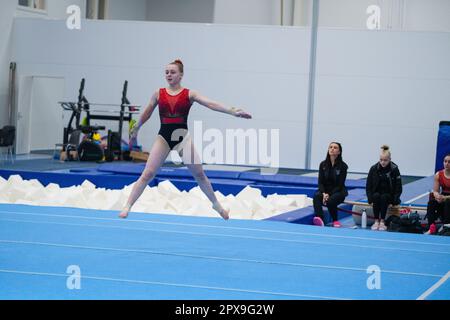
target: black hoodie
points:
(336, 175)
(394, 185)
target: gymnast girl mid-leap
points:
(174, 103)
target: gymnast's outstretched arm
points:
(147, 113)
(217, 106)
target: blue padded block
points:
(304, 216)
(130, 169)
(185, 173)
(266, 190)
(294, 179)
(356, 195)
(278, 178)
(224, 187)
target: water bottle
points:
(364, 219)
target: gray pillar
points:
(312, 80)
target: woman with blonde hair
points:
(383, 187)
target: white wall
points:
(247, 12)
(430, 15)
(181, 11)
(6, 23)
(411, 15)
(245, 66)
(55, 9)
(382, 87)
(127, 10)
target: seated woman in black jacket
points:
(383, 187)
(332, 191)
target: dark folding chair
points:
(7, 137)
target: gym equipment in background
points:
(88, 146)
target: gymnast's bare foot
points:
(224, 213)
(124, 213)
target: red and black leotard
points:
(173, 113)
(444, 182)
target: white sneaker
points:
(382, 227)
(376, 225)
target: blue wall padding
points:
(443, 144)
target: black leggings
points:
(437, 210)
(334, 200)
(381, 202)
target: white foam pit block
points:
(49, 203)
(238, 209)
(283, 201)
(284, 209)
(200, 210)
(4, 188)
(3, 181)
(183, 203)
(219, 195)
(173, 206)
(262, 204)
(127, 190)
(272, 197)
(52, 188)
(23, 201)
(88, 185)
(35, 194)
(119, 201)
(14, 179)
(149, 194)
(99, 195)
(140, 207)
(197, 192)
(15, 192)
(111, 197)
(300, 199)
(230, 198)
(167, 188)
(161, 204)
(262, 214)
(3, 198)
(36, 183)
(191, 200)
(248, 193)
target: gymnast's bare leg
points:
(192, 161)
(156, 158)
